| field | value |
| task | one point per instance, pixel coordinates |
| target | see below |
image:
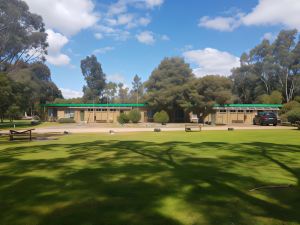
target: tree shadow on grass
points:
(128, 182)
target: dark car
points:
(265, 118)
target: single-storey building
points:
(239, 113)
(92, 113)
(108, 113)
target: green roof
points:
(93, 105)
(250, 105)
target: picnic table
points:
(190, 127)
(19, 133)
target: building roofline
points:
(93, 105)
(248, 106)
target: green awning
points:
(94, 105)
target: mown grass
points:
(24, 124)
(168, 178)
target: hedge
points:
(135, 116)
(123, 118)
(293, 115)
(161, 117)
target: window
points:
(69, 113)
(113, 110)
(249, 111)
(240, 111)
(222, 110)
(233, 111)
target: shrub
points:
(66, 120)
(297, 99)
(135, 116)
(289, 106)
(294, 115)
(123, 118)
(274, 98)
(161, 117)
(284, 118)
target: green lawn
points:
(24, 124)
(168, 178)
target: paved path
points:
(128, 129)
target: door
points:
(82, 115)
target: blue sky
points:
(132, 36)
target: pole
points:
(107, 107)
(94, 108)
(137, 94)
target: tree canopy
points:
(22, 34)
(166, 84)
(269, 67)
(94, 77)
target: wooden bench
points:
(189, 127)
(24, 133)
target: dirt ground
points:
(105, 128)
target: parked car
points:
(265, 118)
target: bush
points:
(297, 99)
(289, 106)
(294, 115)
(161, 117)
(66, 120)
(123, 118)
(274, 98)
(135, 116)
(284, 118)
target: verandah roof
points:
(249, 106)
(94, 105)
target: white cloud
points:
(103, 50)
(220, 23)
(69, 93)
(211, 61)
(165, 37)
(56, 42)
(117, 34)
(266, 12)
(122, 6)
(124, 19)
(274, 12)
(105, 29)
(146, 37)
(144, 21)
(269, 36)
(98, 36)
(117, 8)
(154, 3)
(58, 60)
(67, 17)
(124, 15)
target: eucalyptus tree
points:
(22, 34)
(286, 54)
(166, 84)
(94, 77)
